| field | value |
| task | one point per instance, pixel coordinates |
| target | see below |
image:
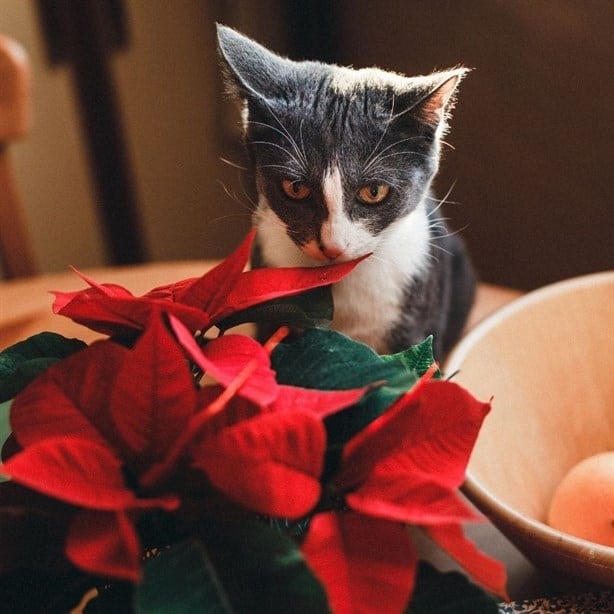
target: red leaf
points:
(322, 403)
(271, 463)
(63, 299)
(209, 292)
(366, 565)
(485, 570)
(237, 410)
(227, 289)
(225, 357)
(114, 315)
(73, 470)
(70, 398)
(98, 310)
(107, 289)
(197, 302)
(261, 285)
(104, 544)
(414, 498)
(79, 472)
(435, 430)
(153, 396)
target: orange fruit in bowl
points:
(583, 503)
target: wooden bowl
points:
(547, 359)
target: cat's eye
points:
(296, 190)
(373, 193)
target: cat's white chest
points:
(369, 300)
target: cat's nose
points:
(332, 253)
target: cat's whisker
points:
(385, 179)
(433, 258)
(440, 224)
(300, 152)
(405, 152)
(290, 138)
(281, 147)
(300, 133)
(284, 133)
(450, 233)
(387, 148)
(383, 135)
(290, 170)
(404, 173)
(441, 202)
(259, 216)
(441, 249)
(236, 199)
(229, 216)
(437, 226)
(233, 164)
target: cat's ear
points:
(251, 70)
(432, 98)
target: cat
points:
(343, 162)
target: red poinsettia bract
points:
(110, 429)
(200, 302)
(403, 468)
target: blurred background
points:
(123, 162)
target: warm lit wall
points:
(51, 164)
(533, 131)
(168, 89)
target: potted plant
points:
(174, 466)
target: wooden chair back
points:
(16, 250)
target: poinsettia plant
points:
(173, 466)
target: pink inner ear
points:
(432, 109)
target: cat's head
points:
(339, 154)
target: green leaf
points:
(5, 427)
(262, 570)
(22, 362)
(417, 358)
(310, 309)
(50, 345)
(437, 592)
(328, 360)
(22, 375)
(181, 580)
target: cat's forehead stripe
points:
(344, 80)
(337, 231)
(332, 188)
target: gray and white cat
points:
(343, 162)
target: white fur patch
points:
(346, 79)
(369, 300)
(338, 232)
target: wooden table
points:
(25, 304)
(25, 309)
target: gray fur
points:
(303, 118)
